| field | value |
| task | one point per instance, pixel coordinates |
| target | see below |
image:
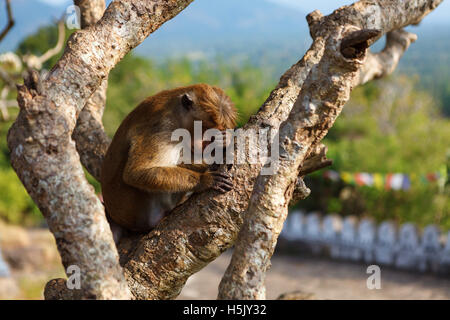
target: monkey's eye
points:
(187, 102)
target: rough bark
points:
(44, 155)
(157, 265)
(321, 99)
(90, 10)
(90, 137)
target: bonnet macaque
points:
(142, 178)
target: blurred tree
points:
(388, 126)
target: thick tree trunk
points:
(44, 155)
(321, 99)
(89, 135)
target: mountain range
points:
(261, 31)
(203, 23)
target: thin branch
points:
(383, 63)
(59, 44)
(316, 160)
(36, 62)
(5, 103)
(10, 20)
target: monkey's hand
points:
(219, 181)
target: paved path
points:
(326, 279)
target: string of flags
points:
(390, 181)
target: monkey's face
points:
(196, 119)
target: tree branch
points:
(5, 103)
(316, 160)
(44, 155)
(7, 78)
(381, 64)
(35, 62)
(10, 23)
(157, 265)
(91, 11)
(314, 113)
(321, 99)
(90, 137)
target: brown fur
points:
(140, 184)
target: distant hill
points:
(262, 32)
(204, 24)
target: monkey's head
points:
(208, 104)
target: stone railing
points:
(347, 238)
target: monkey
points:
(141, 177)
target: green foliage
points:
(393, 122)
(15, 204)
(387, 127)
(136, 78)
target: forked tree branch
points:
(44, 155)
(195, 234)
(321, 99)
(203, 227)
(383, 63)
(324, 93)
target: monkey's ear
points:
(186, 101)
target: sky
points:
(441, 15)
(30, 15)
(325, 6)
